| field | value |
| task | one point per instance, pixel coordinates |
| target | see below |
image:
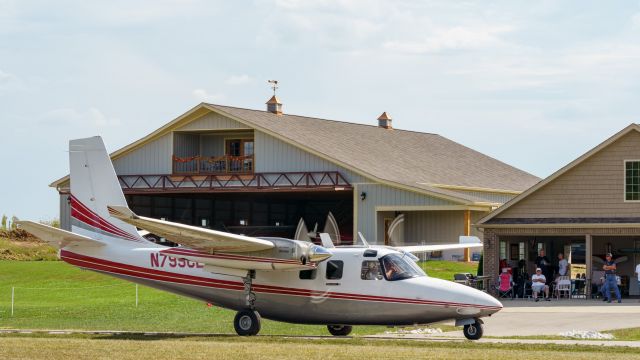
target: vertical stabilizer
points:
(94, 185)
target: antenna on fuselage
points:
(364, 241)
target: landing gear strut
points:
(247, 323)
(473, 331)
(339, 330)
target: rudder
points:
(94, 185)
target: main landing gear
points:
(473, 331)
(339, 330)
(247, 322)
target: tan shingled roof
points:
(415, 159)
(421, 161)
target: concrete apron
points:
(529, 318)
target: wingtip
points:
(121, 212)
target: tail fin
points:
(94, 185)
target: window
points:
(334, 269)
(631, 180)
(307, 274)
(503, 250)
(399, 267)
(370, 270)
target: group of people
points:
(541, 280)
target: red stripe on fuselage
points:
(165, 276)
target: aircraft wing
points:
(57, 238)
(191, 236)
(466, 242)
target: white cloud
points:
(635, 20)
(8, 81)
(238, 79)
(92, 117)
(454, 38)
(203, 96)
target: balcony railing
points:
(213, 165)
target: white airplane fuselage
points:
(284, 296)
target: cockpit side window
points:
(370, 270)
(398, 267)
(334, 269)
(307, 274)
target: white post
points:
(136, 295)
(13, 291)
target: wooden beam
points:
(589, 263)
(467, 232)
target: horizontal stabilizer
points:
(191, 236)
(57, 238)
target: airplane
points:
(280, 279)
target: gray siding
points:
(152, 158)
(272, 154)
(185, 145)
(213, 121)
(212, 145)
(382, 195)
(65, 212)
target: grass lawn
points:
(445, 269)
(139, 348)
(55, 295)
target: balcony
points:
(225, 164)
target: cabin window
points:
(371, 270)
(307, 274)
(632, 180)
(399, 267)
(334, 269)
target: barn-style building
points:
(260, 172)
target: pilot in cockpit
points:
(391, 270)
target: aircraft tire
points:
(247, 323)
(473, 331)
(339, 330)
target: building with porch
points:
(584, 210)
(260, 172)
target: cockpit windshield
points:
(399, 267)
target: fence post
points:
(136, 295)
(13, 291)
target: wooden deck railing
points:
(213, 165)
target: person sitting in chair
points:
(505, 286)
(538, 285)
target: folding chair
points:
(563, 286)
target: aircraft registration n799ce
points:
(281, 279)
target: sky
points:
(533, 84)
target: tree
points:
(4, 222)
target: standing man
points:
(563, 265)
(610, 280)
(544, 264)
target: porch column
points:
(467, 232)
(588, 262)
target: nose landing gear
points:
(473, 331)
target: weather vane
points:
(274, 85)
